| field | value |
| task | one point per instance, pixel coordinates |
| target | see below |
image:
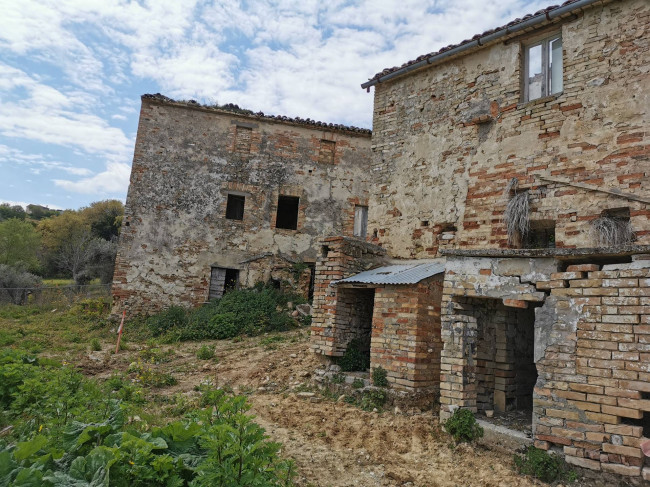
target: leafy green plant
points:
(542, 465)
(205, 353)
(373, 399)
(354, 359)
(463, 427)
(305, 321)
(358, 383)
(380, 377)
(149, 376)
(239, 312)
(338, 378)
(95, 345)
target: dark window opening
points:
(243, 139)
(327, 151)
(287, 216)
(312, 280)
(221, 281)
(540, 236)
(235, 207)
(424, 223)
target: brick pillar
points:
(339, 257)
(458, 364)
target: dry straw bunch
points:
(516, 215)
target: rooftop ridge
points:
(236, 109)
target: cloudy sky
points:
(72, 72)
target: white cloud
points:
(115, 179)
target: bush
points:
(95, 345)
(205, 353)
(540, 464)
(379, 377)
(13, 280)
(373, 399)
(463, 426)
(239, 312)
(358, 384)
(354, 359)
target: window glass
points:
(360, 221)
(555, 68)
(535, 76)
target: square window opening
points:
(287, 215)
(543, 68)
(235, 207)
(541, 235)
(360, 221)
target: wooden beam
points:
(589, 187)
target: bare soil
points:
(332, 443)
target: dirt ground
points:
(332, 443)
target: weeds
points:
(205, 353)
(462, 426)
(543, 466)
(358, 384)
(354, 359)
(380, 377)
(95, 345)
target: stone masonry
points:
(190, 160)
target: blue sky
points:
(72, 72)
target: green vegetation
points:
(358, 384)
(380, 377)
(62, 429)
(354, 359)
(239, 312)
(543, 466)
(463, 427)
(373, 399)
(19, 244)
(95, 345)
(205, 353)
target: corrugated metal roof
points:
(397, 274)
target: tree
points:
(104, 217)
(7, 211)
(16, 282)
(19, 244)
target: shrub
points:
(379, 377)
(174, 317)
(305, 321)
(354, 359)
(373, 399)
(539, 464)
(239, 312)
(14, 281)
(463, 427)
(357, 384)
(205, 353)
(95, 345)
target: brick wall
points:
(406, 333)
(448, 138)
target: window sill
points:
(539, 101)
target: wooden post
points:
(119, 331)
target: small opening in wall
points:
(360, 221)
(424, 223)
(448, 227)
(222, 280)
(613, 228)
(287, 215)
(232, 279)
(324, 250)
(541, 235)
(235, 207)
(128, 224)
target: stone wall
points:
(188, 158)
(449, 137)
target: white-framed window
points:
(543, 68)
(360, 221)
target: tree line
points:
(42, 243)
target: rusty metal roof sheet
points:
(411, 273)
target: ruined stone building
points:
(507, 264)
(221, 197)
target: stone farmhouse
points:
(507, 263)
(221, 197)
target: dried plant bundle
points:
(610, 231)
(516, 216)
